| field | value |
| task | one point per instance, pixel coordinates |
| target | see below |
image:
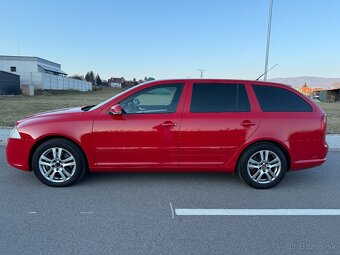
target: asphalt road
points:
(130, 213)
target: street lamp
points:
(268, 38)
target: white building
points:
(40, 73)
(116, 82)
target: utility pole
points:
(201, 71)
(268, 38)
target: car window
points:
(275, 99)
(216, 97)
(157, 99)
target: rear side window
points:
(216, 97)
(274, 99)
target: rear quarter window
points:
(275, 99)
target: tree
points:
(90, 77)
(77, 77)
(98, 80)
(87, 76)
(305, 85)
(149, 79)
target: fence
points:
(56, 82)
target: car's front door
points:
(145, 135)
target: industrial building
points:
(9, 83)
(329, 95)
(39, 73)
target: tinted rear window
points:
(274, 99)
(213, 97)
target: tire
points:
(262, 166)
(58, 163)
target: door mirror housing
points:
(116, 110)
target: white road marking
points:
(32, 212)
(86, 212)
(172, 211)
(257, 212)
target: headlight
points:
(14, 134)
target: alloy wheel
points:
(57, 165)
(264, 166)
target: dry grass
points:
(16, 107)
(13, 108)
(333, 116)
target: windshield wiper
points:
(86, 108)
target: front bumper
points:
(18, 153)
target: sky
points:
(175, 38)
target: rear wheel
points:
(262, 166)
(58, 163)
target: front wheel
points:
(262, 166)
(58, 163)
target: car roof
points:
(220, 81)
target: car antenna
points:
(266, 72)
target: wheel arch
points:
(47, 138)
(281, 146)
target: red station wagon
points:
(260, 130)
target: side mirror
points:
(116, 110)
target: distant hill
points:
(313, 82)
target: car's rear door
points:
(217, 120)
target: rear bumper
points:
(303, 164)
(309, 163)
(17, 153)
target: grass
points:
(13, 108)
(333, 116)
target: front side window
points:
(157, 99)
(216, 97)
(275, 99)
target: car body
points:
(178, 125)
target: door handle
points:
(169, 124)
(247, 123)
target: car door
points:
(145, 135)
(217, 120)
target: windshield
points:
(111, 98)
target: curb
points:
(333, 149)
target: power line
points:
(201, 72)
